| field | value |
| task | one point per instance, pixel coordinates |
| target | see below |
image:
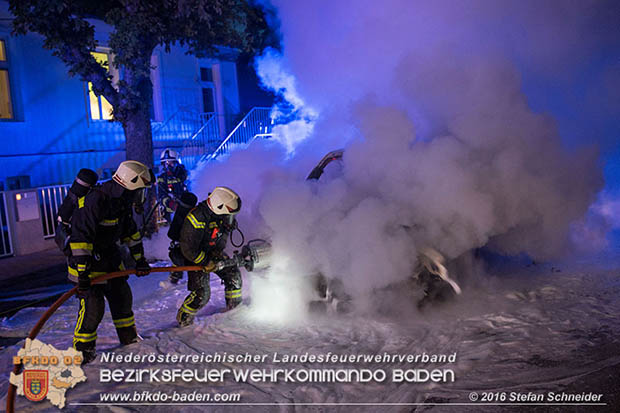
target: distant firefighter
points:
(104, 217)
(171, 182)
(203, 238)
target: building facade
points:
(51, 125)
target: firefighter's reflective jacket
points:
(171, 183)
(204, 234)
(102, 218)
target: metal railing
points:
(178, 127)
(203, 141)
(50, 199)
(257, 122)
(6, 244)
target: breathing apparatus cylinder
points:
(187, 201)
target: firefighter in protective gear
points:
(203, 239)
(104, 217)
(171, 182)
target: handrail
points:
(211, 118)
(225, 142)
(204, 138)
(165, 122)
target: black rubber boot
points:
(88, 351)
(232, 302)
(184, 318)
(128, 335)
(192, 303)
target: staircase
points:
(257, 123)
(197, 136)
(204, 140)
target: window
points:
(100, 108)
(206, 74)
(6, 107)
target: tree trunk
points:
(139, 147)
(138, 138)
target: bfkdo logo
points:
(36, 384)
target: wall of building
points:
(52, 135)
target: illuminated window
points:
(6, 108)
(100, 108)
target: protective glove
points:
(142, 267)
(83, 285)
(209, 267)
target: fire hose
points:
(10, 397)
(254, 255)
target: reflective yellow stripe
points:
(137, 256)
(78, 325)
(83, 340)
(81, 245)
(189, 299)
(85, 335)
(233, 294)
(200, 257)
(136, 238)
(188, 310)
(82, 337)
(109, 222)
(81, 202)
(124, 322)
(81, 248)
(195, 223)
(92, 274)
(81, 267)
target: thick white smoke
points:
(441, 147)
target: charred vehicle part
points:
(430, 274)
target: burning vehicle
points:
(430, 275)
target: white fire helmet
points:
(224, 201)
(133, 175)
(169, 155)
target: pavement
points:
(31, 263)
(32, 280)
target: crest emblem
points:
(36, 384)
